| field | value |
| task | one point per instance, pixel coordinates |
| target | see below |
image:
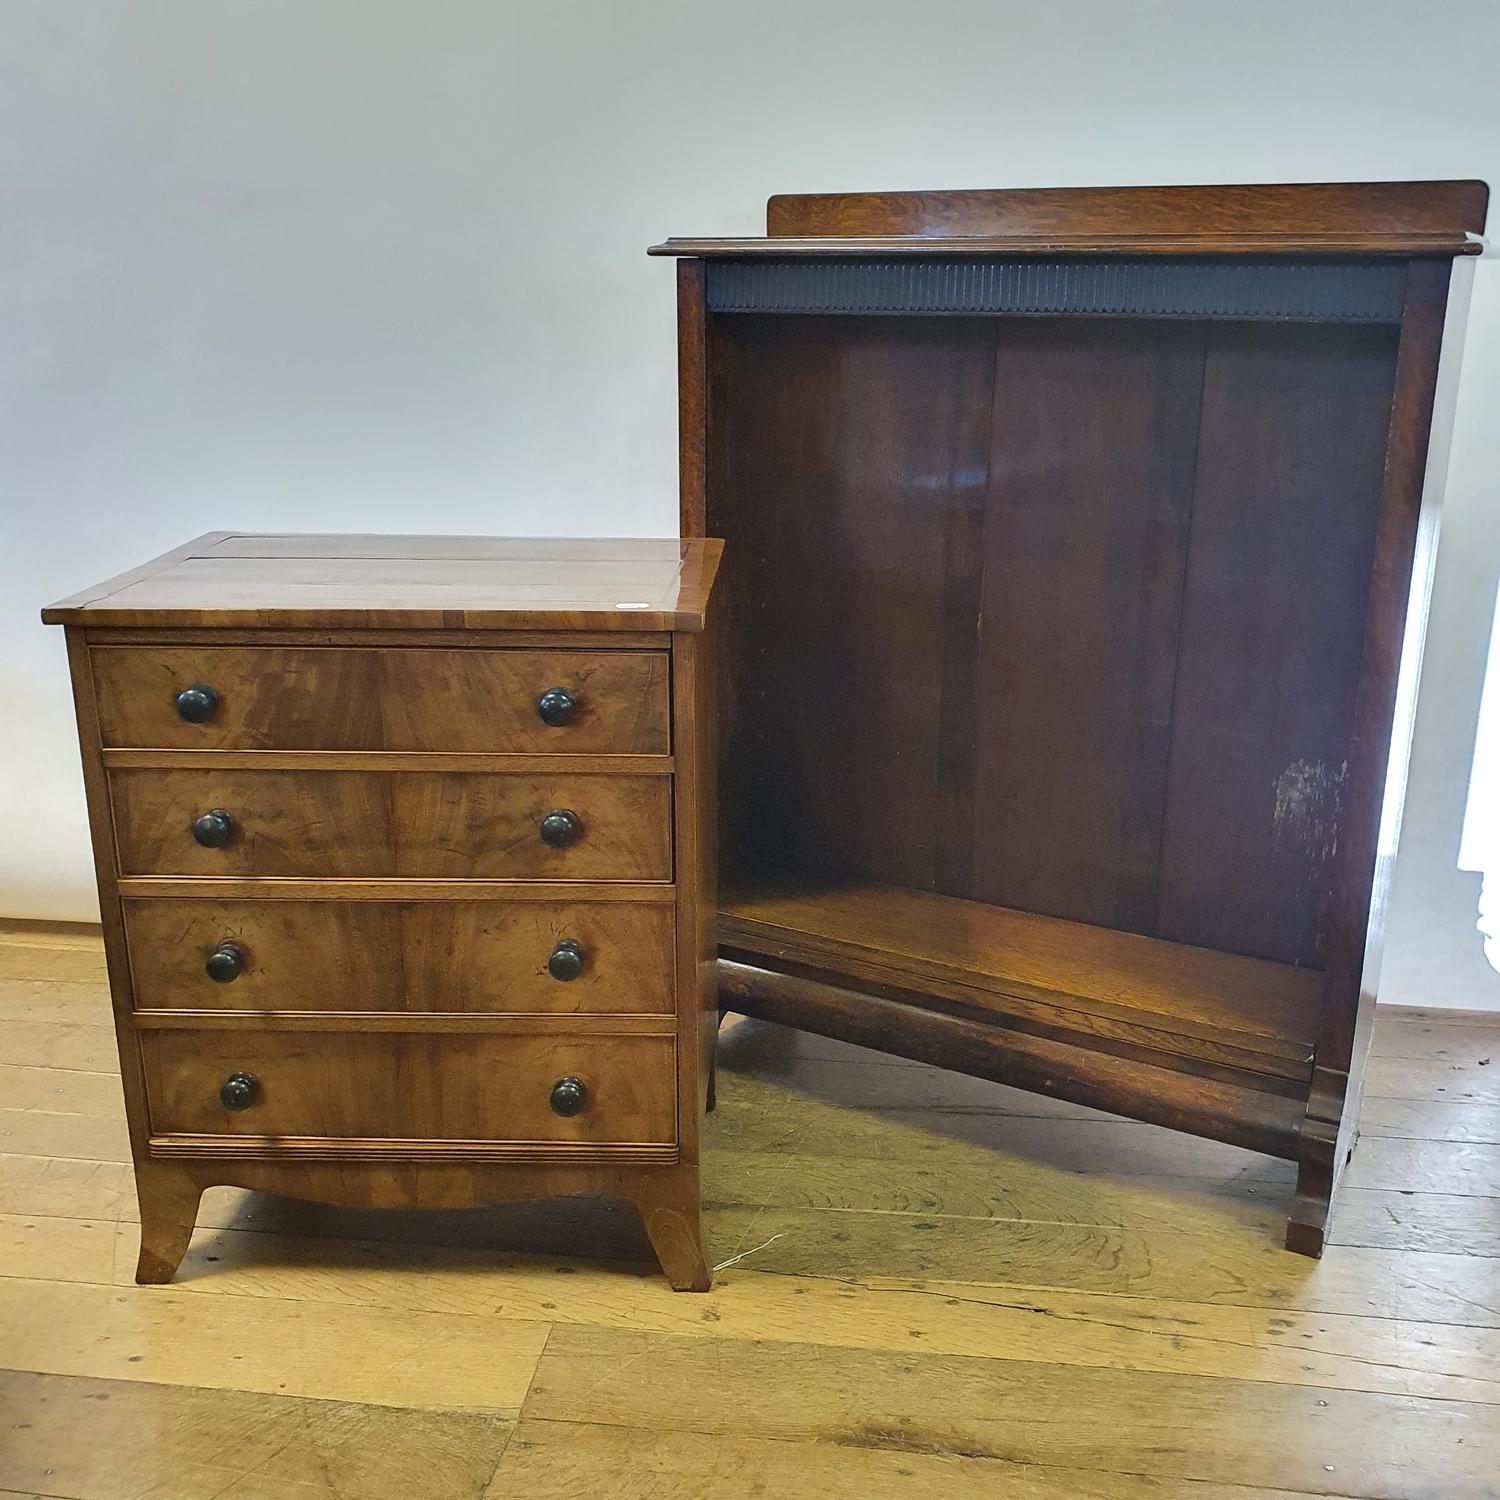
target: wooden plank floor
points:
(946, 1288)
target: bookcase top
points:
(1340, 219)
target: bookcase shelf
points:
(1137, 996)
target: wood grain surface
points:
(1094, 617)
(432, 825)
(412, 1086)
(1013, 955)
(397, 698)
(472, 956)
(1267, 210)
(1291, 455)
(440, 959)
(231, 579)
(950, 1289)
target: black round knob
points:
(567, 961)
(560, 828)
(226, 962)
(213, 829)
(568, 1096)
(197, 703)
(556, 706)
(238, 1091)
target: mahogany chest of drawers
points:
(405, 862)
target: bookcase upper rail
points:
(847, 247)
(1360, 218)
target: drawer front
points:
(409, 1086)
(395, 824)
(559, 957)
(388, 698)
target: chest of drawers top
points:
(235, 581)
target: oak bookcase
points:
(1078, 547)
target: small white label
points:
(633, 604)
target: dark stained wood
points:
(233, 580)
(1290, 459)
(439, 825)
(340, 698)
(1392, 210)
(823, 497)
(1317, 219)
(917, 247)
(1035, 973)
(958, 729)
(416, 956)
(692, 402)
(1369, 218)
(1389, 673)
(1072, 1070)
(1076, 617)
(1083, 556)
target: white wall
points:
(377, 264)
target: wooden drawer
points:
(476, 956)
(390, 698)
(411, 1086)
(434, 825)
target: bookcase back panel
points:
(1090, 493)
(1058, 614)
(1290, 459)
(848, 449)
